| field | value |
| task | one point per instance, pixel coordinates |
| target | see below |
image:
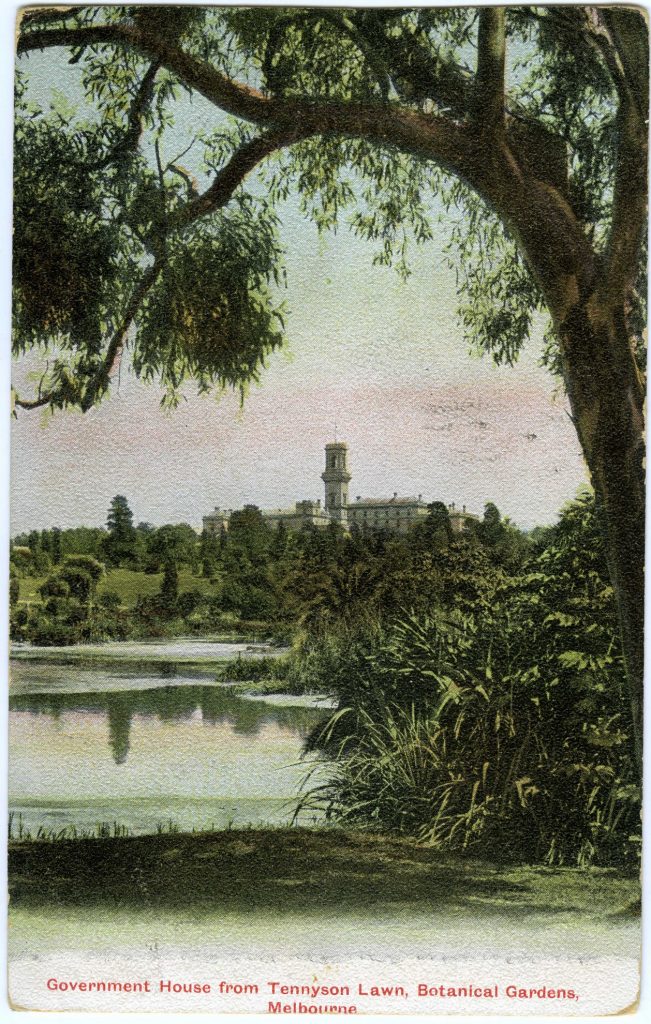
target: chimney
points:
(395, 494)
(420, 497)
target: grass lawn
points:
(127, 584)
(301, 868)
(29, 587)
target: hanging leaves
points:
(211, 315)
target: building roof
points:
(315, 510)
(387, 502)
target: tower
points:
(336, 478)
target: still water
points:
(111, 738)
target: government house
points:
(395, 515)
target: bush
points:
(54, 586)
(188, 602)
(458, 743)
(46, 633)
(505, 731)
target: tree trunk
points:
(607, 397)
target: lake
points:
(143, 735)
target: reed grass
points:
(19, 832)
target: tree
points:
(490, 529)
(169, 590)
(209, 553)
(120, 545)
(249, 534)
(82, 540)
(550, 172)
(90, 565)
(175, 544)
(81, 574)
(436, 530)
(56, 553)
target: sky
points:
(383, 359)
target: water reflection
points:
(170, 704)
(119, 721)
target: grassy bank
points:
(127, 584)
(298, 869)
(124, 605)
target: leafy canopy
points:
(116, 247)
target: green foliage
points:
(174, 545)
(209, 554)
(65, 248)
(498, 297)
(248, 587)
(86, 563)
(210, 316)
(78, 575)
(80, 540)
(169, 590)
(119, 546)
(97, 205)
(499, 727)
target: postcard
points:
(327, 522)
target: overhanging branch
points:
(435, 138)
(232, 174)
(242, 162)
(99, 382)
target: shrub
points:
(47, 633)
(469, 748)
(503, 730)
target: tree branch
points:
(628, 38)
(629, 216)
(343, 21)
(489, 88)
(413, 72)
(435, 138)
(232, 174)
(135, 122)
(619, 39)
(226, 181)
(40, 15)
(98, 384)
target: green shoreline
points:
(292, 868)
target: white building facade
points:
(394, 515)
